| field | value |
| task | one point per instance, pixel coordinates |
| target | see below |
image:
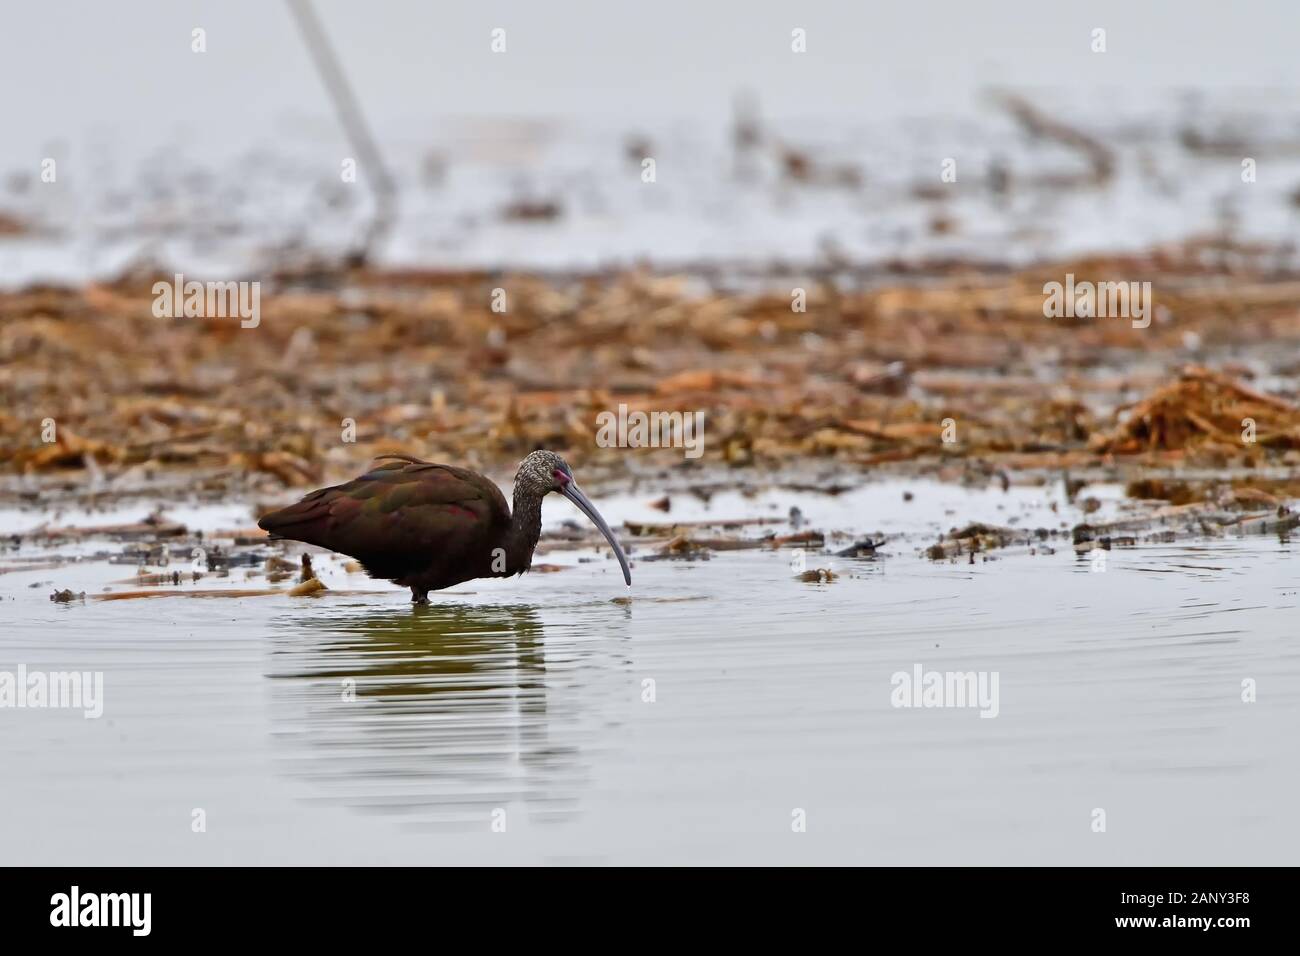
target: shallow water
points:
(1119, 690)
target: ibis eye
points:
(560, 477)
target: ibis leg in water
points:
(427, 526)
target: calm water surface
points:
(354, 728)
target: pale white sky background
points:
(72, 68)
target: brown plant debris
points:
(1201, 411)
(904, 371)
(307, 588)
(818, 576)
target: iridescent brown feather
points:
(417, 523)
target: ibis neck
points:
(525, 529)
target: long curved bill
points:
(571, 491)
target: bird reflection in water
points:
(438, 714)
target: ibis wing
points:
(398, 516)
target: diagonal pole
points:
(354, 125)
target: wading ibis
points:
(427, 526)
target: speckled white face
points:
(544, 471)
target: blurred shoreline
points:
(823, 293)
(960, 375)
